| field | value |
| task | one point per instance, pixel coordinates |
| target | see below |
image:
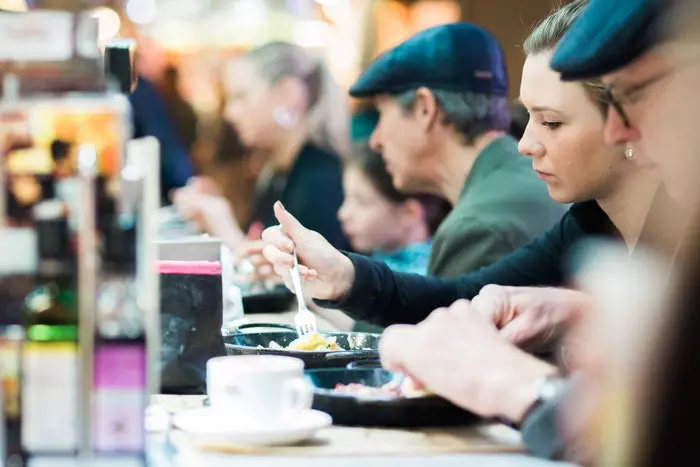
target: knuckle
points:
(491, 290)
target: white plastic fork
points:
(304, 320)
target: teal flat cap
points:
(458, 57)
(609, 35)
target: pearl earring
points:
(629, 154)
(284, 117)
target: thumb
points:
(493, 303)
(517, 332)
(290, 225)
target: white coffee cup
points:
(258, 390)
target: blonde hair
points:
(546, 35)
(327, 112)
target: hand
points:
(327, 273)
(458, 354)
(204, 185)
(212, 214)
(260, 269)
(533, 318)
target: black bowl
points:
(380, 411)
(359, 345)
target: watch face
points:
(551, 387)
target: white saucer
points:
(208, 426)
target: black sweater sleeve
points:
(384, 297)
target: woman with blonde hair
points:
(289, 111)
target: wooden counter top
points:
(347, 441)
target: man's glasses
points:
(617, 99)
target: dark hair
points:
(519, 118)
(373, 166)
(548, 33)
(59, 150)
(171, 74)
(471, 114)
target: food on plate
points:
(311, 342)
(407, 388)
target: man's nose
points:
(375, 141)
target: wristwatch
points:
(549, 387)
(539, 427)
(546, 389)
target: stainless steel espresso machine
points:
(79, 297)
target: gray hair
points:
(471, 114)
(327, 111)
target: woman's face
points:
(250, 104)
(564, 136)
(370, 221)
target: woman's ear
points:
(290, 93)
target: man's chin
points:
(403, 184)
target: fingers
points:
(496, 302)
(275, 237)
(278, 258)
(282, 262)
(520, 331)
(204, 185)
(393, 346)
(290, 225)
(251, 248)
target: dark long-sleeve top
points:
(312, 190)
(384, 297)
(151, 118)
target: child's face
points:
(370, 221)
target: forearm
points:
(230, 234)
(513, 388)
(382, 296)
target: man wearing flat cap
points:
(631, 45)
(442, 96)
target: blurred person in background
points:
(152, 118)
(284, 105)
(442, 129)
(64, 159)
(381, 221)
(181, 111)
(388, 225)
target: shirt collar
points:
(496, 154)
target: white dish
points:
(207, 425)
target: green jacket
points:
(503, 205)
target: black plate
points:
(350, 410)
(358, 345)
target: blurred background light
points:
(249, 12)
(337, 11)
(311, 33)
(13, 5)
(108, 24)
(141, 11)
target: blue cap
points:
(456, 57)
(607, 36)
